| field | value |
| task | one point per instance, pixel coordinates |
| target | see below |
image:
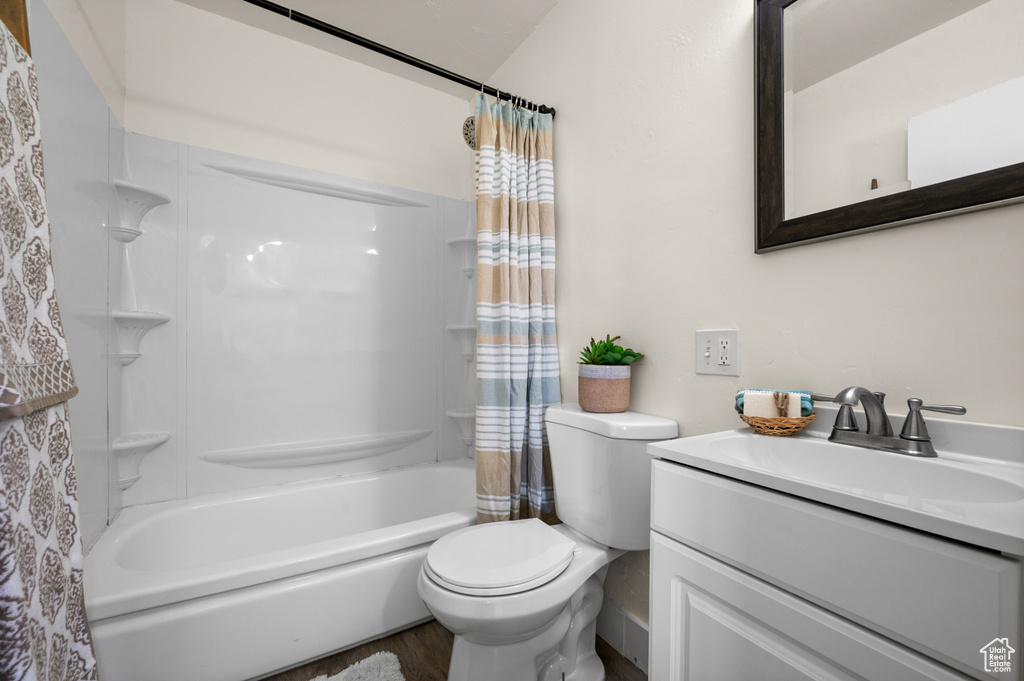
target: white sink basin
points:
(972, 499)
(899, 478)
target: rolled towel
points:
(767, 403)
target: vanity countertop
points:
(961, 495)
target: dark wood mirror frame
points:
(973, 192)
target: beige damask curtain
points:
(44, 635)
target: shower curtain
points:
(517, 355)
(44, 634)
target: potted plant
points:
(604, 376)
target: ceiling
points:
(824, 37)
(469, 37)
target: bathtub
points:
(238, 586)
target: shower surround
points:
(303, 382)
(309, 324)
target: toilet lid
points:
(499, 558)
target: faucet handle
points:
(845, 420)
(914, 427)
(945, 408)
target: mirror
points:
(878, 113)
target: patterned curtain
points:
(44, 634)
(517, 356)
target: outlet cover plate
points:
(709, 342)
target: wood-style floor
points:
(424, 653)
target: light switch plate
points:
(718, 352)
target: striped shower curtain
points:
(517, 356)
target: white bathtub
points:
(237, 586)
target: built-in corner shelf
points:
(466, 246)
(132, 326)
(466, 333)
(465, 417)
(129, 450)
(133, 203)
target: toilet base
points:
(564, 650)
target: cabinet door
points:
(711, 622)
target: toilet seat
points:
(499, 559)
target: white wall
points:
(198, 78)
(977, 133)
(654, 175)
(178, 73)
(96, 32)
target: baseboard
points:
(624, 632)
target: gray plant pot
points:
(604, 389)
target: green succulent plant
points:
(607, 352)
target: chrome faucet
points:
(912, 440)
(874, 411)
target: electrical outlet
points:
(724, 354)
(718, 352)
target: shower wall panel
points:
(313, 323)
(309, 324)
(81, 143)
(459, 375)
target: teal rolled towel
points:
(806, 402)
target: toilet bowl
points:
(522, 597)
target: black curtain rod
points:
(330, 29)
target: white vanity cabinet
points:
(749, 583)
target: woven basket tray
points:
(779, 426)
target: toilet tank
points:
(601, 472)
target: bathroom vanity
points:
(799, 558)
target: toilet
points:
(522, 597)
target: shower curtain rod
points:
(330, 29)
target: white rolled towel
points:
(763, 403)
